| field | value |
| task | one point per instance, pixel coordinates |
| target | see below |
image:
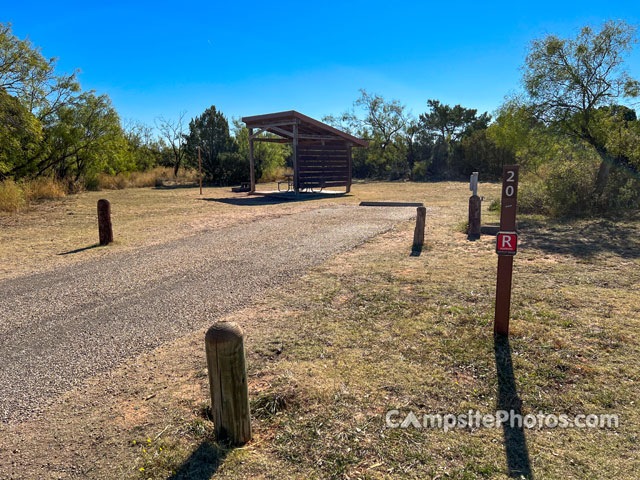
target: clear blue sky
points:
(249, 57)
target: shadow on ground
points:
(251, 201)
(202, 463)
(581, 239)
(515, 442)
(176, 186)
(78, 250)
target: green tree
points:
(269, 158)
(384, 123)
(86, 138)
(450, 125)
(478, 152)
(20, 134)
(145, 148)
(210, 132)
(517, 130)
(30, 77)
(568, 79)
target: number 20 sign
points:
(509, 196)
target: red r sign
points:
(507, 243)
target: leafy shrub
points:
(233, 168)
(92, 183)
(566, 188)
(12, 197)
(419, 171)
(569, 186)
(494, 206)
(622, 193)
(532, 196)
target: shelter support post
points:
(294, 146)
(251, 163)
(349, 163)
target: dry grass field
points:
(61, 231)
(371, 330)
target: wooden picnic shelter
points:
(321, 153)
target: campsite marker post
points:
(105, 229)
(506, 248)
(226, 363)
(418, 233)
(475, 205)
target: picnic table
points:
(301, 186)
(288, 180)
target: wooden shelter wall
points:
(323, 165)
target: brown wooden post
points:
(294, 146)
(418, 233)
(475, 217)
(251, 163)
(505, 259)
(224, 347)
(200, 169)
(350, 166)
(105, 230)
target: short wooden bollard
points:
(224, 346)
(418, 234)
(105, 230)
(475, 216)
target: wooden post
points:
(294, 145)
(505, 262)
(105, 230)
(224, 347)
(251, 163)
(200, 168)
(350, 166)
(475, 217)
(418, 234)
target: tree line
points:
(572, 129)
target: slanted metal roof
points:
(281, 123)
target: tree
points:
(173, 132)
(20, 134)
(450, 124)
(269, 158)
(568, 80)
(384, 124)
(478, 152)
(517, 130)
(86, 138)
(145, 149)
(210, 132)
(27, 75)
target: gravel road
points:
(60, 327)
